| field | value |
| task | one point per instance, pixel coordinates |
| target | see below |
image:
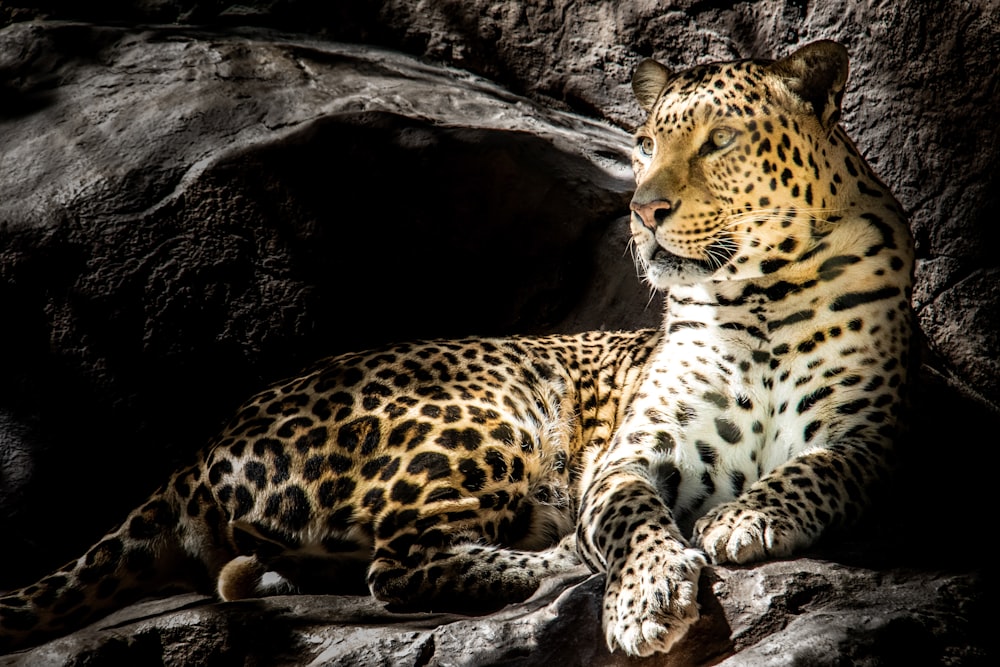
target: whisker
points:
(796, 217)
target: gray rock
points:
(921, 99)
(18, 450)
(800, 612)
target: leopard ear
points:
(817, 74)
(648, 82)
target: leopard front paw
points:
(652, 601)
(735, 533)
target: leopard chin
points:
(663, 268)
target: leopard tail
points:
(151, 551)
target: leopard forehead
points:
(743, 95)
(715, 91)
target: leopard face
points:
(734, 178)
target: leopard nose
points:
(654, 213)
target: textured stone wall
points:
(922, 98)
(922, 102)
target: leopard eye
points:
(646, 146)
(721, 137)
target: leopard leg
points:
(463, 575)
(789, 508)
(628, 531)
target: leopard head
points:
(735, 165)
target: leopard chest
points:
(737, 389)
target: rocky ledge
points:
(800, 612)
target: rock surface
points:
(190, 211)
(921, 101)
(801, 612)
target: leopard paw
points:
(735, 533)
(652, 601)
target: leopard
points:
(762, 416)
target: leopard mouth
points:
(663, 256)
(664, 268)
(718, 255)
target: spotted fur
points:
(458, 474)
(769, 411)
